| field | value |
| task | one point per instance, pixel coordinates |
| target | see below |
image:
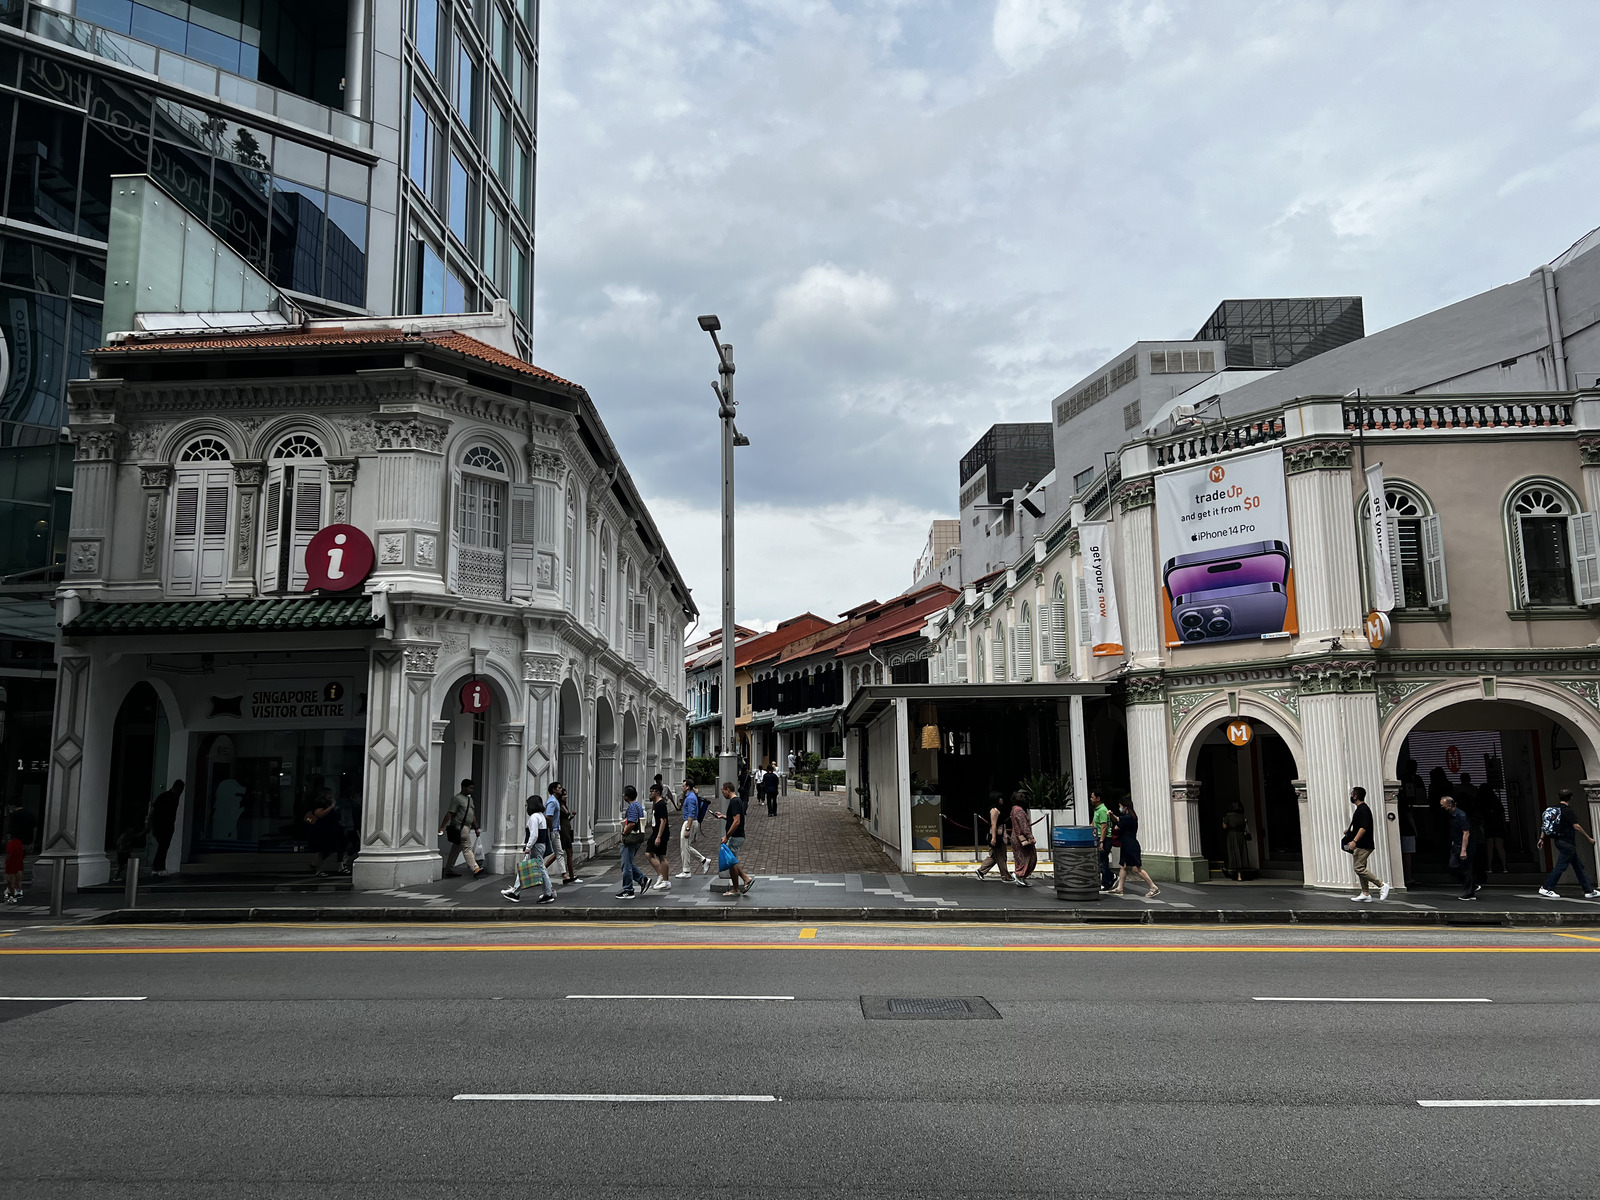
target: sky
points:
(916, 219)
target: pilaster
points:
(1327, 578)
(1141, 627)
(247, 480)
(1339, 722)
(1149, 778)
(398, 835)
(96, 451)
(508, 825)
(1188, 859)
(409, 531)
(156, 480)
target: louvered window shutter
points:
(524, 536)
(269, 574)
(1058, 630)
(1085, 636)
(452, 567)
(307, 508)
(212, 572)
(961, 659)
(1581, 528)
(1433, 562)
(1024, 652)
(185, 551)
(1397, 579)
(999, 653)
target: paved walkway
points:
(810, 835)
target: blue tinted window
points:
(460, 199)
(428, 31)
(44, 166)
(419, 164)
(215, 48)
(295, 251)
(345, 277)
(113, 14)
(159, 29)
(432, 298)
(466, 88)
(455, 294)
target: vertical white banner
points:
(1105, 628)
(1383, 597)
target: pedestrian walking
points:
(791, 764)
(692, 809)
(633, 835)
(14, 854)
(769, 788)
(1558, 825)
(1358, 840)
(1023, 850)
(1461, 847)
(656, 845)
(1132, 856)
(459, 824)
(553, 822)
(666, 792)
(564, 834)
(997, 840)
(536, 845)
(1236, 833)
(733, 839)
(163, 821)
(327, 833)
(1100, 820)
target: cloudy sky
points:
(916, 219)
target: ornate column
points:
(607, 793)
(506, 832)
(96, 450)
(68, 842)
(1591, 794)
(398, 814)
(247, 478)
(342, 477)
(1141, 624)
(1339, 721)
(1589, 456)
(411, 486)
(1189, 858)
(541, 674)
(1148, 773)
(1327, 566)
(574, 748)
(156, 480)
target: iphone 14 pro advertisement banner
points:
(1227, 570)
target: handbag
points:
(726, 857)
(635, 836)
(452, 834)
(529, 871)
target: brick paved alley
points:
(811, 835)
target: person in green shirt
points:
(1101, 820)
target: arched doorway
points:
(607, 788)
(468, 751)
(630, 750)
(139, 743)
(1504, 761)
(1259, 778)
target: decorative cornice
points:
(1589, 451)
(421, 660)
(1135, 493)
(101, 443)
(343, 470)
(155, 475)
(544, 463)
(541, 668)
(248, 472)
(1334, 676)
(1332, 454)
(1181, 704)
(409, 431)
(1145, 689)
(1074, 543)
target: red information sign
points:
(338, 558)
(475, 696)
(1452, 759)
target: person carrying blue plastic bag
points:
(732, 839)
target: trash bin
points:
(1077, 862)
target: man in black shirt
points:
(1461, 847)
(163, 821)
(1565, 838)
(733, 838)
(1358, 840)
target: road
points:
(324, 1061)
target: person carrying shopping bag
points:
(531, 869)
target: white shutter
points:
(961, 659)
(1085, 635)
(307, 505)
(452, 561)
(999, 654)
(211, 574)
(268, 574)
(1396, 575)
(1058, 630)
(1024, 652)
(1585, 556)
(185, 543)
(1433, 562)
(524, 535)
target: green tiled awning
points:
(290, 614)
(816, 716)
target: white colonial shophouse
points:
(511, 549)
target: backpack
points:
(1550, 821)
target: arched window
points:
(961, 655)
(1024, 652)
(605, 581)
(1416, 548)
(202, 504)
(478, 543)
(569, 557)
(1056, 651)
(1555, 558)
(999, 652)
(294, 505)
(979, 660)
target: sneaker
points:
(480, 871)
(646, 885)
(452, 875)
(681, 875)
(510, 895)
(1020, 882)
(573, 880)
(662, 885)
(980, 874)
(1359, 896)
(1594, 895)
(1548, 894)
(1468, 896)
(1383, 892)
(625, 895)
(547, 899)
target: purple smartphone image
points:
(1228, 614)
(1226, 567)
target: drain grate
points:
(927, 1008)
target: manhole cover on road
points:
(927, 1008)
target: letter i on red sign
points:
(474, 697)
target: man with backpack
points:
(1558, 825)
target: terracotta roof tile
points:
(459, 343)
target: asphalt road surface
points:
(329, 1062)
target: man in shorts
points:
(733, 838)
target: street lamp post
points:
(728, 760)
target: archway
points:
(1503, 760)
(630, 749)
(468, 751)
(1258, 778)
(607, 789)
(139, 743)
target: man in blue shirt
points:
(632, 840)
(693, 809)
(1461, 847)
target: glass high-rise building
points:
(367, 156)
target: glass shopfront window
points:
(255, 788)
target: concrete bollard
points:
(130, 886)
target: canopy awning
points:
(276, 614)
(870, 702)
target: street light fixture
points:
(728, 759)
